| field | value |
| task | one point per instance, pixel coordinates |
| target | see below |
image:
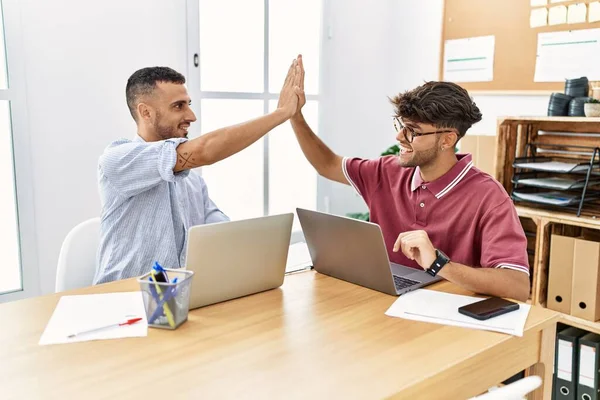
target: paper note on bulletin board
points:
(568, 54)
(469, 60)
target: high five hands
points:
(292, 97)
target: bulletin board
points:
(515, 40)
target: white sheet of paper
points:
(594, 12)
(470, 59)
(537, 3)
(557, 15)
(75, 314)
(553, 198)
(577, 13)
(558, 1)
(555, 183)
(567, 55)
(442, 308)
(298, 257)
(553, 166)
(538, 17)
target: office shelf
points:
(522, 140)
(580, 323)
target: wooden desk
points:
(315, 337)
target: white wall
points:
(377, 50)
(78, 58)
(355, 83)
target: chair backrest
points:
(77, 259)
(514, 391)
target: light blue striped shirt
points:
(146, 208)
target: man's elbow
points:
(331, 169)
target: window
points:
(10, 268)
(18, 269)
(246, 47)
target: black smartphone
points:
(488, 308)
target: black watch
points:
(439, 262)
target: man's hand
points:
(300, 91)
(416, 246)
(288, 97)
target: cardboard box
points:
(486, 153)
(560, 273)
(468, 144)
(585, 299)
(483, 150)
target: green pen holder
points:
(167, 303)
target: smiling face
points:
(424, 150)
(430, 119)
(167, 111)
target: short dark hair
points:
(143, 81)
(443, 104)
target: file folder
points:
(585, 299)
(589, 364)
(560, 273)
(566, 363)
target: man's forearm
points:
(325, 161)
(498, 282)
(222, 143)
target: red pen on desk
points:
(128, 322)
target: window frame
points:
(194, 86)
(22, 162)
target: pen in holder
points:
(166, 294)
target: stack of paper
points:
(74, 314)
(555, 183)
(442, 308)
(298, 257)
(551, 198)
(553, 166)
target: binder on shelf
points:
(589, 365)
(560, 273)
(585, 298)
(566, 363)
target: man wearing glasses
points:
(436, 210)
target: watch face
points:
(441, 254)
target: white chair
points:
(77, 259)
(514, 391)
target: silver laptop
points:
(354, 251)
(235, 259)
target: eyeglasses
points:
(409, 133)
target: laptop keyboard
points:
(402, 283)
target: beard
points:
(421, 158)
(164, 131)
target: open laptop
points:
(238, 258)
(354, 251)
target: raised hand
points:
(300, 91)
(288, 97)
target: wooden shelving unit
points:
(514, 134)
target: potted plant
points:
(592, 108)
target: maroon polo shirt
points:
(466, 213)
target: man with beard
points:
(149, 197)
(436, 210)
